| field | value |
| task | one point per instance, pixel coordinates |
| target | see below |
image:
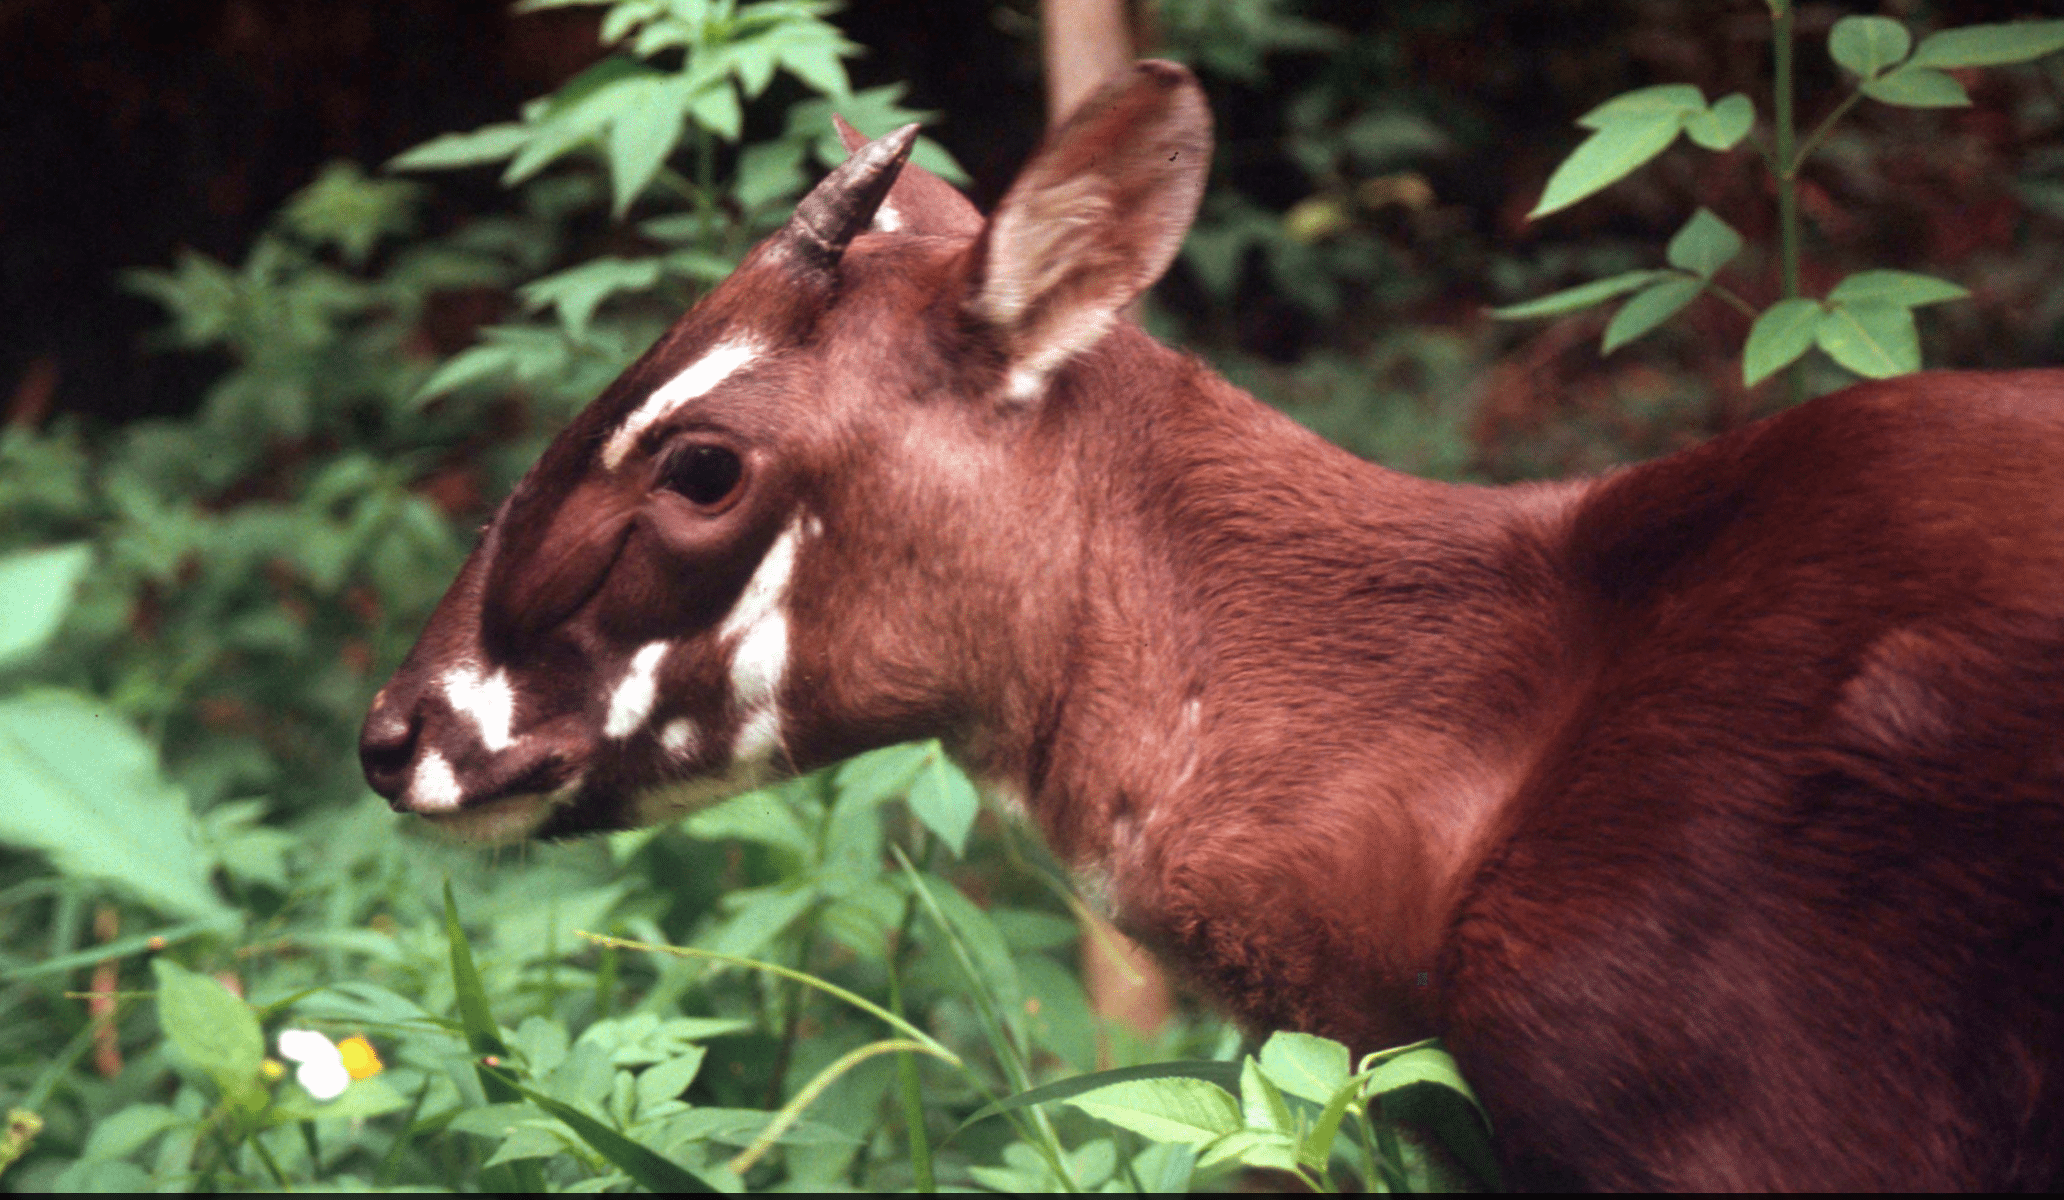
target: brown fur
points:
(1710, 811)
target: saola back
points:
(1710, 810)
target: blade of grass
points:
(793, 1110)
(906, 1077)
(485, 1041)
(860, 1002)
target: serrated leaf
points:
(1582, 296)
(1221, 1074)
(1649, 309)
(1877, 341)
(1866, 46)
(36, 589)
(1265, 1149)
(944, 799)
(1643, 104)
(1990, 45)
(1704, 245)
(1191, 1112)
(85, 788)
(212, 1029)
(1917, 87)
(1724, 125)
(1306, 1065)
(1261, 1101)
(1608, 156)
(1780, 335)
(1904, 288)
(488, 144)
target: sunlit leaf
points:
(1866, 46)
(1917, 87)
(1876, 341)
(1780, 335)
(1904, 288)
(1990, 45)
(1306, 1065)
(36, 589)
(1644, 104)
(1608, 156)
(212, 1029)
(488, 144)
(1190, 1111)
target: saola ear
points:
(920, 202)
(1093, 220)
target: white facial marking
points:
(489, 702)
(713, 368)
(509, 819)
(434, 788)
(681, 738)
(887, 219)
(759, 655)
(631, 702)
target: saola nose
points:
(387, 747)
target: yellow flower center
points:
(360, 1062)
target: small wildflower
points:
(273, 1070)
(360, 1060)
(322, 1069)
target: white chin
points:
(509, 819)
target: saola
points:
(1710, 809)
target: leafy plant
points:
(1865, 323)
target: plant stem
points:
(1787, 174)
(906, 1063)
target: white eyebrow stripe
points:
(489, 702)
(631, 702)
(723, 360)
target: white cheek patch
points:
(759, 655)
(490, 703)
(434, 788)
(632, 700)
(723, 360)
(681, 738)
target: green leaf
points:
(343, 207)
(1420, 1084)
(667, 1080)
(762, 817)
(1722, 126)
(82, 786)
(1261, 1101)
(716, 109)
(1643, 104)
(1917, 87)
(1265, 1149)
(483, 1036)
(945, 800)
(127, 1130)
(766, 914)
(1608, 156)
(1876, 341)
(212, 1029)
(656, 1174)
(1582, 296)
(1223, 1075)
(1190, 1111)
(1866, 46)
(36, 589)
(1305, 1065)
(1783, 333)
(641, 137)
(1704, 245)
(1990, 45)
(1904, 288)
(363, 1098)
(490, 143)
(769, 172)
(578, 291)
(1649, 309)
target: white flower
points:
(322, 1064)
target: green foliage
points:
(1866, 322)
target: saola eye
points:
(705, 474)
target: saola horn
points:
(837, 209)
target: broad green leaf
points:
(1780, 335)
(1608, 156)
(83, 786)
(1990, 45)
(647, 1168)
(765, 915)
(126, 1130)
(1266, 1149)
(1222, 1075)
(1649, 309)
(1722, 126)
(1704, 245)
(716, 109)
(1305, 1065)
(212, 1029)
(1903, 288)
(1261, 1101)
(641, 137)
(490, 143)
(668, 1080)
(1582, 296)
(815, 60)
(1190, 1111)
(762, 817)
(1642, 104)
(769, 172)
(1422, 1085)
(578, 291)
(878, 776)
(36, 589)
(1917, 87)
(944, 799)
(1866, 46)
(1876, 341)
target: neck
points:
(1300, 688)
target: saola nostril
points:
(387, 749)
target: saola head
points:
(827, 511)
